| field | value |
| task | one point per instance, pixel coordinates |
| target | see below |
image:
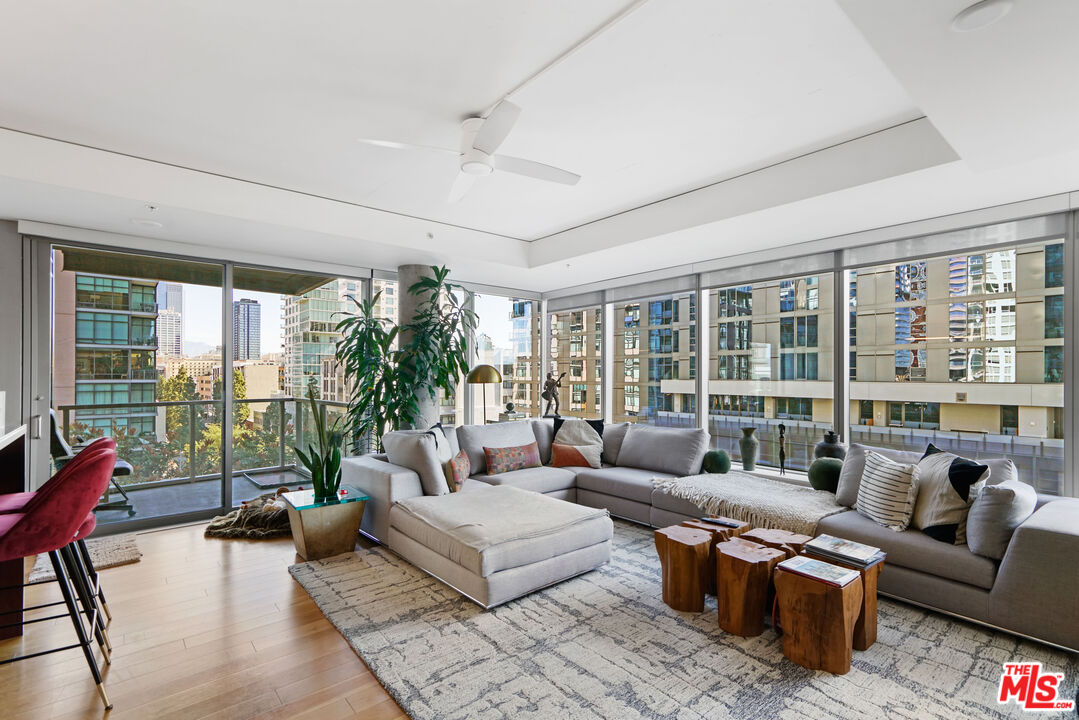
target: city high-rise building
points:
(174, 297)
(309, 330)
(246, 329)
(105, 350)
(170, 333)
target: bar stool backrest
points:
(72, 466)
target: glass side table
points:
(323, 529)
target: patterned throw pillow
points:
(500, 460)
(575, 455)
(887, 491)
(457, 471)
(947, 486)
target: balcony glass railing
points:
(174, 448)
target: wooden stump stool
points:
(790, 543)
(683, 555)
(865, 627)
(719, 534)
(743, 571)
(818, 620)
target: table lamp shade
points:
(483, 374)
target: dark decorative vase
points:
(750, 446)
(830, 447)
(509, 407)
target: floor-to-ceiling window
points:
(508, 338)
(770, 364)
(576, 351)
(966, 351)
(655, 360)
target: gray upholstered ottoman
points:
(494, 544)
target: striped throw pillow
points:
(887, 492)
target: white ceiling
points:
(239, 120)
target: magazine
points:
(819, 570)
(847, 551)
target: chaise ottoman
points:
(497, 543)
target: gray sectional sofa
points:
(633, 455)
(1032, 591)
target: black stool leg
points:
(76, 620)
(88, 562)
(90, 607)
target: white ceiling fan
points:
(480, 138)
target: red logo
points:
(1031, 688)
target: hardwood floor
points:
(201, 628)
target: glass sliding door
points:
(508, 338)
(135, 339)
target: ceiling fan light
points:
(476, 167)
(981, 14)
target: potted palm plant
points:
(389, 366)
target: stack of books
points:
(849, 552)
(818, 570)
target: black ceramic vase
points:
(830, 447)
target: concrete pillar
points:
(407, 276)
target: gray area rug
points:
(604, 645)
(106, 552)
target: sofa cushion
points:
(498, 528)
(613, 435)
(854, 464)
(536, 479)
(887, 492)
(997, 511)
(663, 500)
(416, 451)
(457, 471)
(913, 549)
(544, 431)
(577, 442)
(473, 438)
(624, 482)
(678, 451)
(947, 485)
(507, 459)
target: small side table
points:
(790, 543)
(818, 620)
(323, 529)
(865, 628)
(743, 574)
(683, 556)
(719, 533)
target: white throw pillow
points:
(582, 436)
(887, 491)
(947, 485)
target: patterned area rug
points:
(604, 645)
(106, 552)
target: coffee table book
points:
(828, 547)
(819, 570)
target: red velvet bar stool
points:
(50, 524)
(17, 503)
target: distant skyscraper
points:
(170, 333)
(174, 297)
(246, 327)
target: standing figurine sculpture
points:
(782, 449)
(550, 393)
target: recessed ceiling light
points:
(981, 14)
(147, 223)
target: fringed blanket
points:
(758, 501)
(263, 517)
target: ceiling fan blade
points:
(403, 146)
(533, 169)
(496, 127)
(461, 185)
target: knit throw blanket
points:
(758, 501)
(258, 519)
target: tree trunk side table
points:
(719, 533)
(788, 542)
(683, 555)
(818, 620)
(744, 570)
(327, 528)
(865, 627)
